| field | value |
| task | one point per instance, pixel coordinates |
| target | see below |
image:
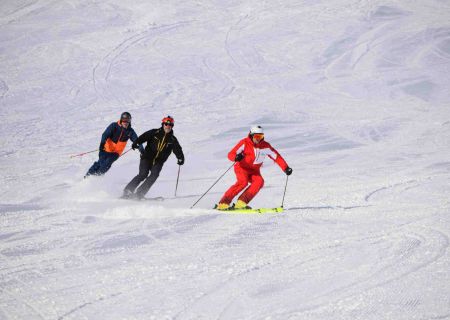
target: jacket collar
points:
(255, 144)
(161, 131)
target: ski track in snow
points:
(353, 94)
(102, 70)
(384, 275)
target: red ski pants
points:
(244, 177)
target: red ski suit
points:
(248, 169)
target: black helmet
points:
(125, 116)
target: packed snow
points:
(353, 94)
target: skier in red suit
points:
(249, 155)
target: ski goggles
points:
(168, 123)
(125, 119)
(258, 136)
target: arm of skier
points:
(178, 151)
(145, 137)
(238, 149)
(106, 134)
(279, 160)
(133, 138)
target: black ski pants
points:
(145, 166)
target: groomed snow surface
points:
(355, 96)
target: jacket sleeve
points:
(237, 149)
(145, 137)
(177, 149)
(133, 135)
(133, 138)
(107, 133)
(275, 156)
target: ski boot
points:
(222, 206)
(241, 205)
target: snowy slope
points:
(354, 95)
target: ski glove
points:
(239, 157)
(288, 171)
(180, 162)
(134, 146)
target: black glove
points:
(180, 162)
(134, 146)
(288, 171)
(239, 157)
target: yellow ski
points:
(254, 211)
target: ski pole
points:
(82, 154)
(213, 185)
(178, 176)
(285, 187)
(124, 153)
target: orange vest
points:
(119, 146)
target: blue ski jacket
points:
(115, 137)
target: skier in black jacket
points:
(159, 145)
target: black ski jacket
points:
(159, 146)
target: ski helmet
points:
(256, 129)
(168, 120)
(125, 116)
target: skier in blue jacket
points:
(112, 144)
